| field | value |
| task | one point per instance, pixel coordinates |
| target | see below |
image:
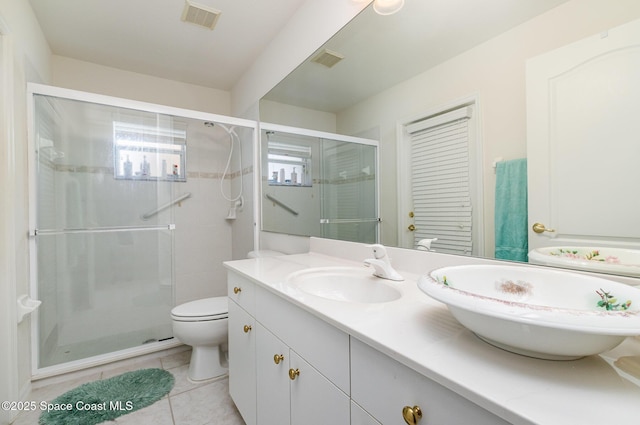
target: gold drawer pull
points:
(237, 290)
(247, 328)
(412, 415)
(278, 358)
(294, 373)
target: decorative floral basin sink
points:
(604, 260)
(547, 314)
(347, 284)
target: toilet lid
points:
(207, 307)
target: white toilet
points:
(203, 324)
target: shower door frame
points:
(34, 89)
(320, 135)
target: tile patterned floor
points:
(205, 403)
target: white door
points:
(314, 399)
(272, 388)
(583, 126)
(242, 362)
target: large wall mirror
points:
(430, 60)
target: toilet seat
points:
(215, 308)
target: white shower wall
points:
(204, 238)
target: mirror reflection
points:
(427, 60)
(319, 184)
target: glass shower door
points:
(103, 239)
(349, 191)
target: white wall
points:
(294, 116)
(78, 75)
(25, 56)
(495, 71)
(315, 22)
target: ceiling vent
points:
(200, 15)
(327, 58)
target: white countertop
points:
(420, 333)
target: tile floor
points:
(205, 403)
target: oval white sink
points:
(348, 284)
(603, 260)
(540, 313)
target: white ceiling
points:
(381, 51)
(149, 37)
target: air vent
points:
(327, 58)
(200, 15)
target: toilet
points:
(203, 324)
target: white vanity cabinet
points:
(242, 361)
(290, 391)
(300, 364)
(289, 367)
(388, 391)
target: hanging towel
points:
(511, 210)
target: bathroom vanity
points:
(297, 358)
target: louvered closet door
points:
(440, 172)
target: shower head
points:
(209, 124)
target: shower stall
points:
(126, 199)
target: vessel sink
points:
(547, 314)
(347, 284)
(603, 260)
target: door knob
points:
(293, 373)
(411, 227)
(237, 290)
(277, 358)
(412, 415)
(247, 328)
(540, 228)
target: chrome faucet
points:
(382, 264)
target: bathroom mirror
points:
(428, 56)
(319, 184)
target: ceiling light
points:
(387, 7)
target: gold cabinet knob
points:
(247, 328)
(237, 290)
(541, 228)
(411, 227)
(412, 415)
(278, 358)
(294, 373)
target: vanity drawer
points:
(242, 291)
(325, 347)
(383, 387)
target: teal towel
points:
(511, 210)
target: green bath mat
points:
(105, 400)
